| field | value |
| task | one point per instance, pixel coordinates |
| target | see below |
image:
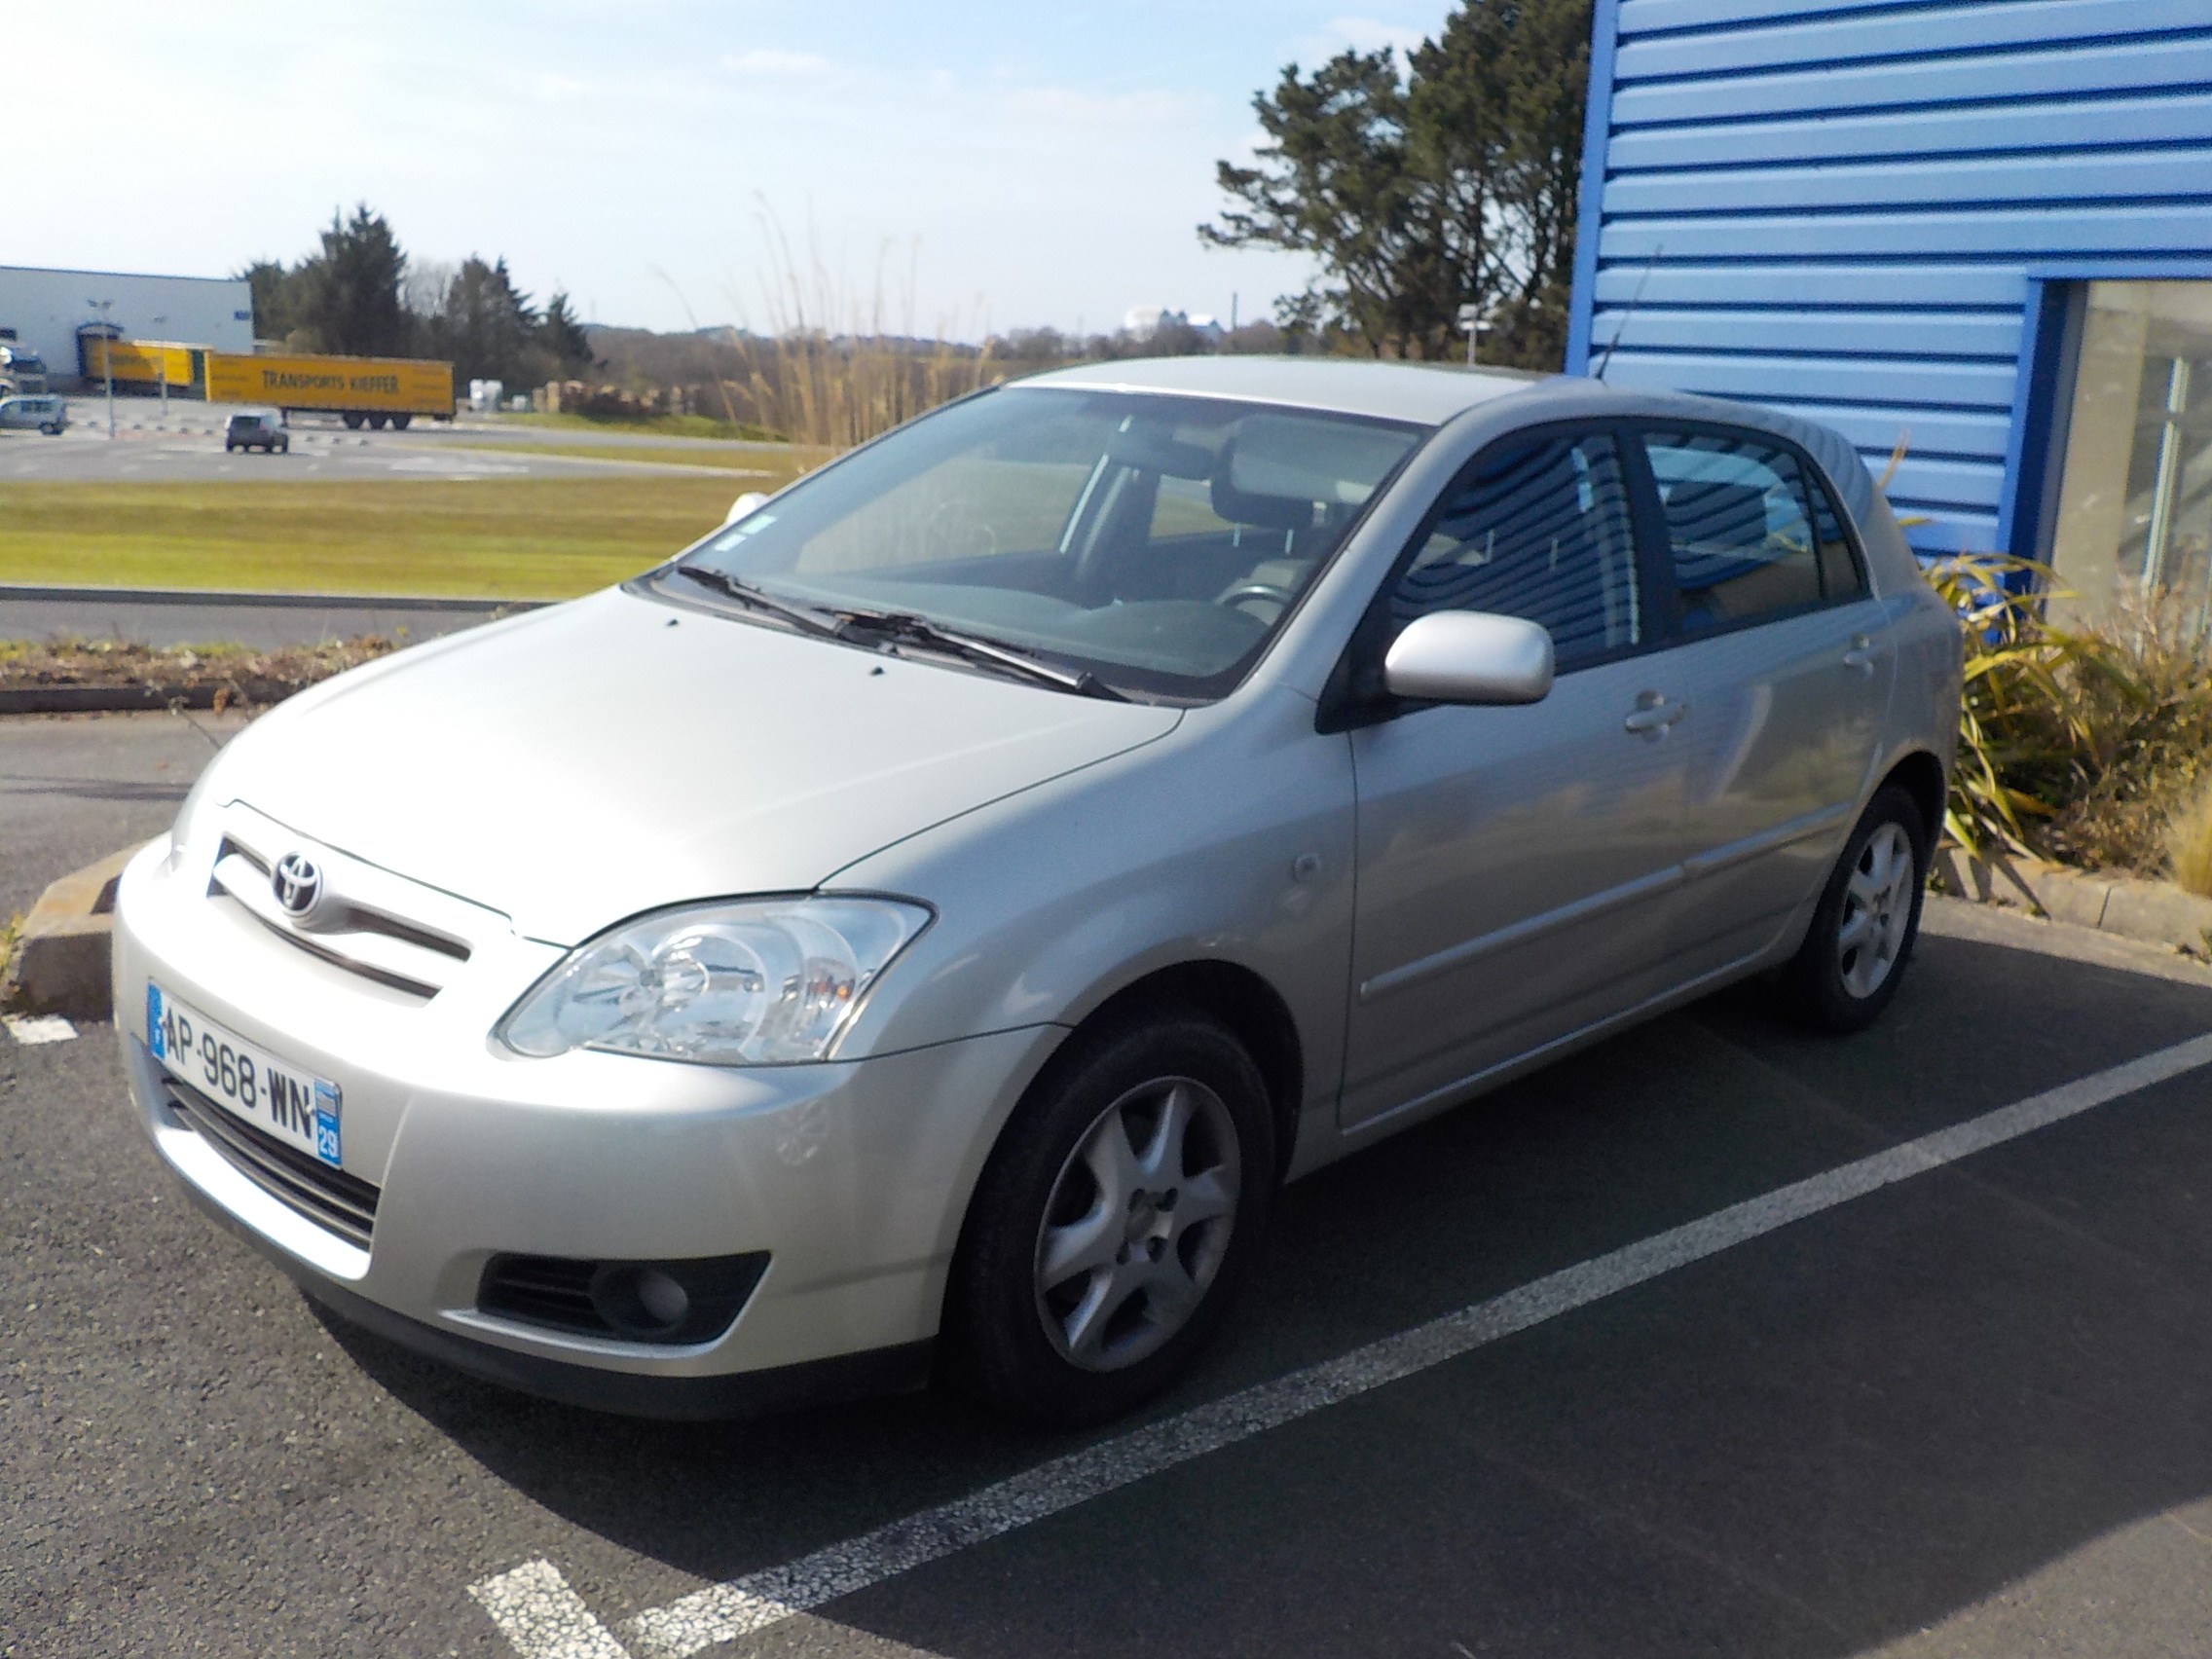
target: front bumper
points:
(853, 1176)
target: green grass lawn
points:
(506, 538)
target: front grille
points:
(331, 1199)
(545, 1290)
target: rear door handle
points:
(1862, 654)
(1653, 714)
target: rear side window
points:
(1537, 528)
(1840, 575)
(1745, 539)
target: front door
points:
(1786, 662)
(1517, 866)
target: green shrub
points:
(2077, 746)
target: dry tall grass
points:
(2189, 842)
(836, 366)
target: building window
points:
(2134, 525)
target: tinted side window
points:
(1537, 528)
(1740, 535)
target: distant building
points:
(1144, 321)
(48, 310)
(1982, 229)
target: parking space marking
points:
(745, 1606)
(542, 1617)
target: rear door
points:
(1787, 664)
(1515, 865)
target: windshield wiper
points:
(900, 627)
(801, 617)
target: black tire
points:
(1827, 982)
(376, 423)
(399, 422)
(51, 430)
(999, 1345)
(352, 422)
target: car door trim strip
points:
(1767, 840)
(1468, 950)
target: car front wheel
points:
(1864, 929)
(1113, 1223)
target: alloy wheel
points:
(1137, 1223)
(1877, 910)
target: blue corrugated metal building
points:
(1983, 226)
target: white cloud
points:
(766, 60)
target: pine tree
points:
(1449, 183)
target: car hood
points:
(579, 764)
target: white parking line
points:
(742, 1607)
(542, 1617)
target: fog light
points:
(675, 1301)
(664, 1299)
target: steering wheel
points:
(1244, 592)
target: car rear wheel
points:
(1864, 928)
(1113, 1222)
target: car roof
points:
(1430, 393)
(1433, 394)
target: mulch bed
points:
(56, 675)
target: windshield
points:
(1152, 541)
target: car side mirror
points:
(1470, 656)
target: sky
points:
(953, 168)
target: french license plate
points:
(244, 1079)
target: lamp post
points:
(107, 356)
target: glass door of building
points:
(2133, 536)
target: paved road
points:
(1964, 1414)
(186, 445)
(263, 621)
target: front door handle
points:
(1654, 713)
(1862, 654)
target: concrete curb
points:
(2156, 912)
(62, 962)
(111, 699)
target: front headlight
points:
(767, 981)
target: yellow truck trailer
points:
(140, 363)
(375, 390)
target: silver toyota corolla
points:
(923, 924)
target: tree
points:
(275, 298)
(1417, 192)
(488, 328)
(350, 293)
(563, 338)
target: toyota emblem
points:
(297, 883)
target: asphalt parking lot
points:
(184, 444)
(1963, 1413)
